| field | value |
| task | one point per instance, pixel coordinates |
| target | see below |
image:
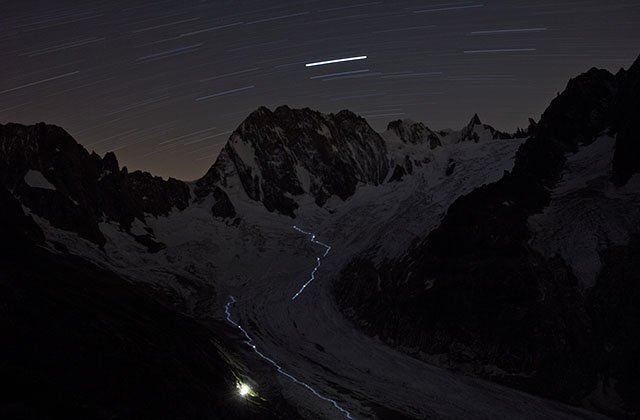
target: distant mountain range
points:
(528, 274)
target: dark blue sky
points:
(164, 82)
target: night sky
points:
(163, 83)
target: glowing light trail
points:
(249, 341)
(318, 260)
(338, 60)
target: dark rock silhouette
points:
(414, 133)
(83, 189)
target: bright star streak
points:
(504, 31)
(344, 73)
(318, 259)
(499, 50)
(443, 9)
(39, 82)
(249, 341)
(338, 60)
(226, 92)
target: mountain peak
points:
(396, 124)
(412, 132)
(475, 120)
(278, 156)
(635, 67)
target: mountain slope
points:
(476, 290)
(85, 343)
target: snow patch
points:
(35, 179)
(587, 213)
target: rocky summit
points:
(277, 156)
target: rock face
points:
(156, 196)
(276, 157)
(626, 160)
(58, 180)
(410, 132)
(414, 133)
(222, 206)
(476, 131)
(477, 293)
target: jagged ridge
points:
(80, 189)
(280, 155)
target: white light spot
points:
(249, 341)
(244, 390)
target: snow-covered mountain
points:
(275, 157)
(411, 132)
(226, 241)
(439, 246)
(284, 157)
(532, 280)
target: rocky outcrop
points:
(531, 129)
(58, 180)
(476, 131)
(412, 132)
(626, 160)
(475, 292)
(615, 310)
(277, 156)
(155, 196)
(398, 173)
(222, 206)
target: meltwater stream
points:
(249, 341)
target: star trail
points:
(150, 79)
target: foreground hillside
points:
(84, 343)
